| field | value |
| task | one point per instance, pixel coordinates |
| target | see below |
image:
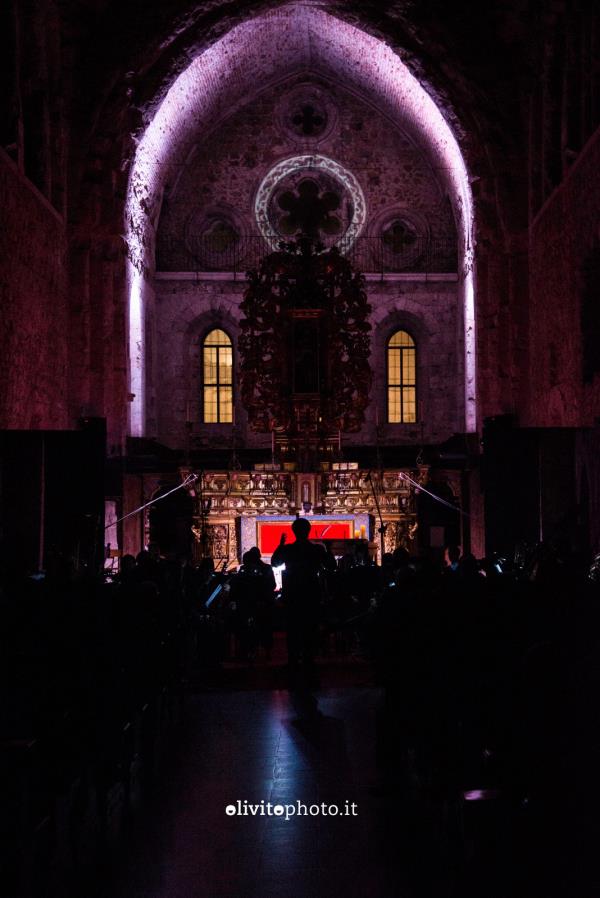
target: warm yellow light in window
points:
(401, 338)
(225, 404)
(217, 338)
(225, 365)
(210, 365)
(408, 367)
(210, 405)
(401, 379)
(217, 367)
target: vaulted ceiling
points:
(265, 49)
(476, 62)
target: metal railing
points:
(367, 254)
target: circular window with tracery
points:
(307, 114)
(402, 238)
(214, 239)
(312, 195)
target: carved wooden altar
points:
(304, 349)
(224, 498)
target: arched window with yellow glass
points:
(401, 379)
(217, 381)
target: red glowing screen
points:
(269, 533)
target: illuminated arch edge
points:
(157, 146)
(306, 162)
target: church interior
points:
(277, 268)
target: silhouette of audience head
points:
(127, 566)
(453, 554)
(452, 557)
(301, 529)
(252, 556)
(361, 554)
(469, 566)
(400, 557)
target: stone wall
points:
(33, 297)
(186, 309)
(220, 180)
(564, 289)
(216, 190)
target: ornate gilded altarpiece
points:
(229, 505)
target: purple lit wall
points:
(260, 52)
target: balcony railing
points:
(367, 254)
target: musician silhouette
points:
(305, 564)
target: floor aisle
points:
(267, 746)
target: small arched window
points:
(401, 379)
(217, 383)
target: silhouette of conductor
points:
(305, 562)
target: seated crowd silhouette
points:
(487, 675)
